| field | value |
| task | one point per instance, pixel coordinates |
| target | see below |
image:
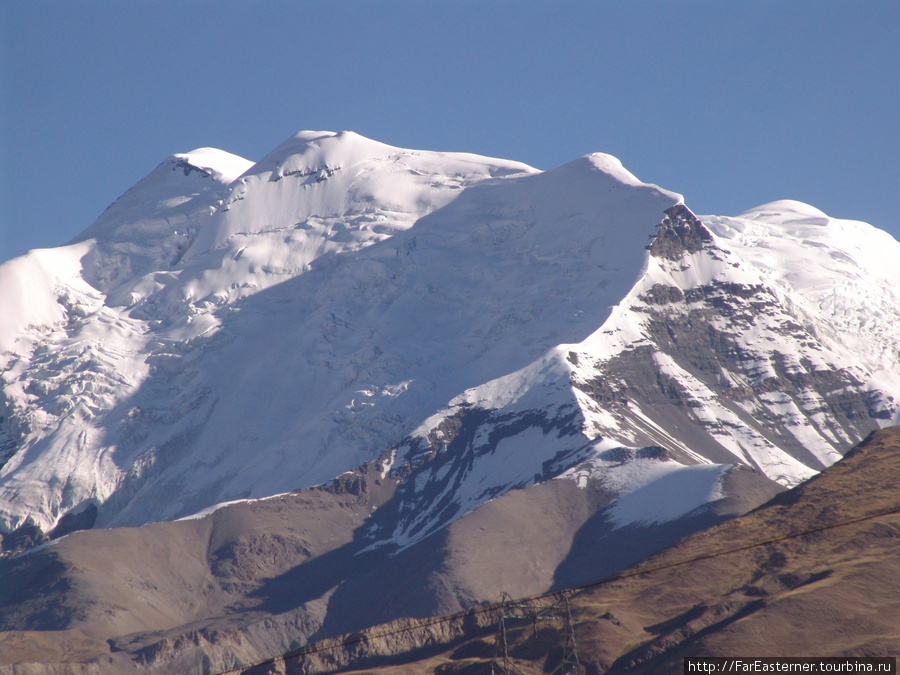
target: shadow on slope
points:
(258, 578)
(353, 353)
(600, 548)
(813, 572)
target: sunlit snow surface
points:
(229, 330)
(845, 272)
(650, 490)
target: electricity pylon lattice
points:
(535, 611)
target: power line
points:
(535, 611)
(317, 648)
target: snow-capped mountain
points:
(229, 330)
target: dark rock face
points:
(28, 536)
(22, 538)
(691, 332)
(72, 522)
(435, 470)
(189, 168)
(721, 356)
(662, 295)
(679, 233)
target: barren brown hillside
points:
(814, 572)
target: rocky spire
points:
(679, 233)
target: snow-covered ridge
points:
(229, 330)
(343, 181)
(222, 166)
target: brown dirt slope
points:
(813, 572)
(257, 578)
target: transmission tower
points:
(500, 664)
(570, 664)
(535, 611)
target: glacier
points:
(230, 330)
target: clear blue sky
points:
(730, 103)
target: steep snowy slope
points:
(97, 337)
(766, 344)
(68, 355)
(228, 331)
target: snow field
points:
(230, 330)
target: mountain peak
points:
(177, 180)
(310, 151)
(613, 166)
(375, 190)
(787, 211)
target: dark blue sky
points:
(732, 104)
